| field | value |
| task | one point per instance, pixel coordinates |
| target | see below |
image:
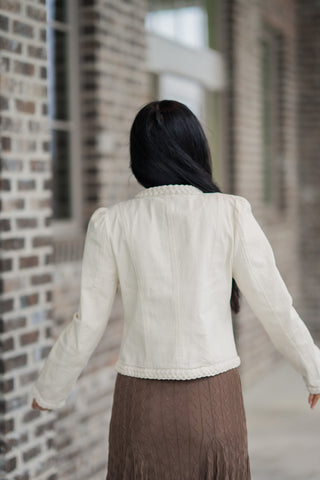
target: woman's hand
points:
(313, 398)
(36, 405)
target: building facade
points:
(72, 77)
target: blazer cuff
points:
(313, 389)
(44, 403)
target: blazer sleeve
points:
(258, 278)
(77, 341)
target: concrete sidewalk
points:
(283, 431)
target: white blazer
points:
(173, 251)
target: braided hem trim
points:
(177, 373)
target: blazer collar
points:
(168, 190)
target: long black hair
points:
(168, 146)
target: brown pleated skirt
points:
(178, 429)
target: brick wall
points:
(40, 273)
(308, 65)
(243, 126)
(26, 240)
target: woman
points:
(180, 251)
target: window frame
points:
(64, 228)
(273, 155)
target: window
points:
(184, 21)
(184, 63)
(63, 108)
(272, 75)
(183, 90)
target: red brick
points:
(4, 23)
(31, 453)
(7, 344)
(5, 225)
(6, 385)
(28, 262)
(10, 45)
(12, 204)
(10, 164)
(39, 166)
(31, 415)
(22, 28)
(7, 405)
(41, 279)
(29, 184)
(38, 14)
(9, 464)
(5, 144)
(13, 363)
(5, 184)
(6, 305)
(12, 324)
(11, 284)
(30, 337)
(17, 440)
(10, 6)
(28, 300)
(37, 52)
(46, 426)
(4, 103)
(12, 243)
(42, 241)
(5, 264)
(5, 63)
(25, 107)
(26, 223)
(6, 425)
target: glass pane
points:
(280, 120)
(57, 10)
(185, 21)
(58, 88)
(183, 90)
(61, 167)
(266, 120)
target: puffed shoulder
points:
(99, 214)
(240, 206)
(242, 202)
(98, 219)
(97, 228)
(235, 200)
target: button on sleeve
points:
(258, 278)
(77, 341)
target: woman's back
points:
(173, 247)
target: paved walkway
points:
(283, 431)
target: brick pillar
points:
(243, 21)
(115, 86)
(26, 240)
(308, 65)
